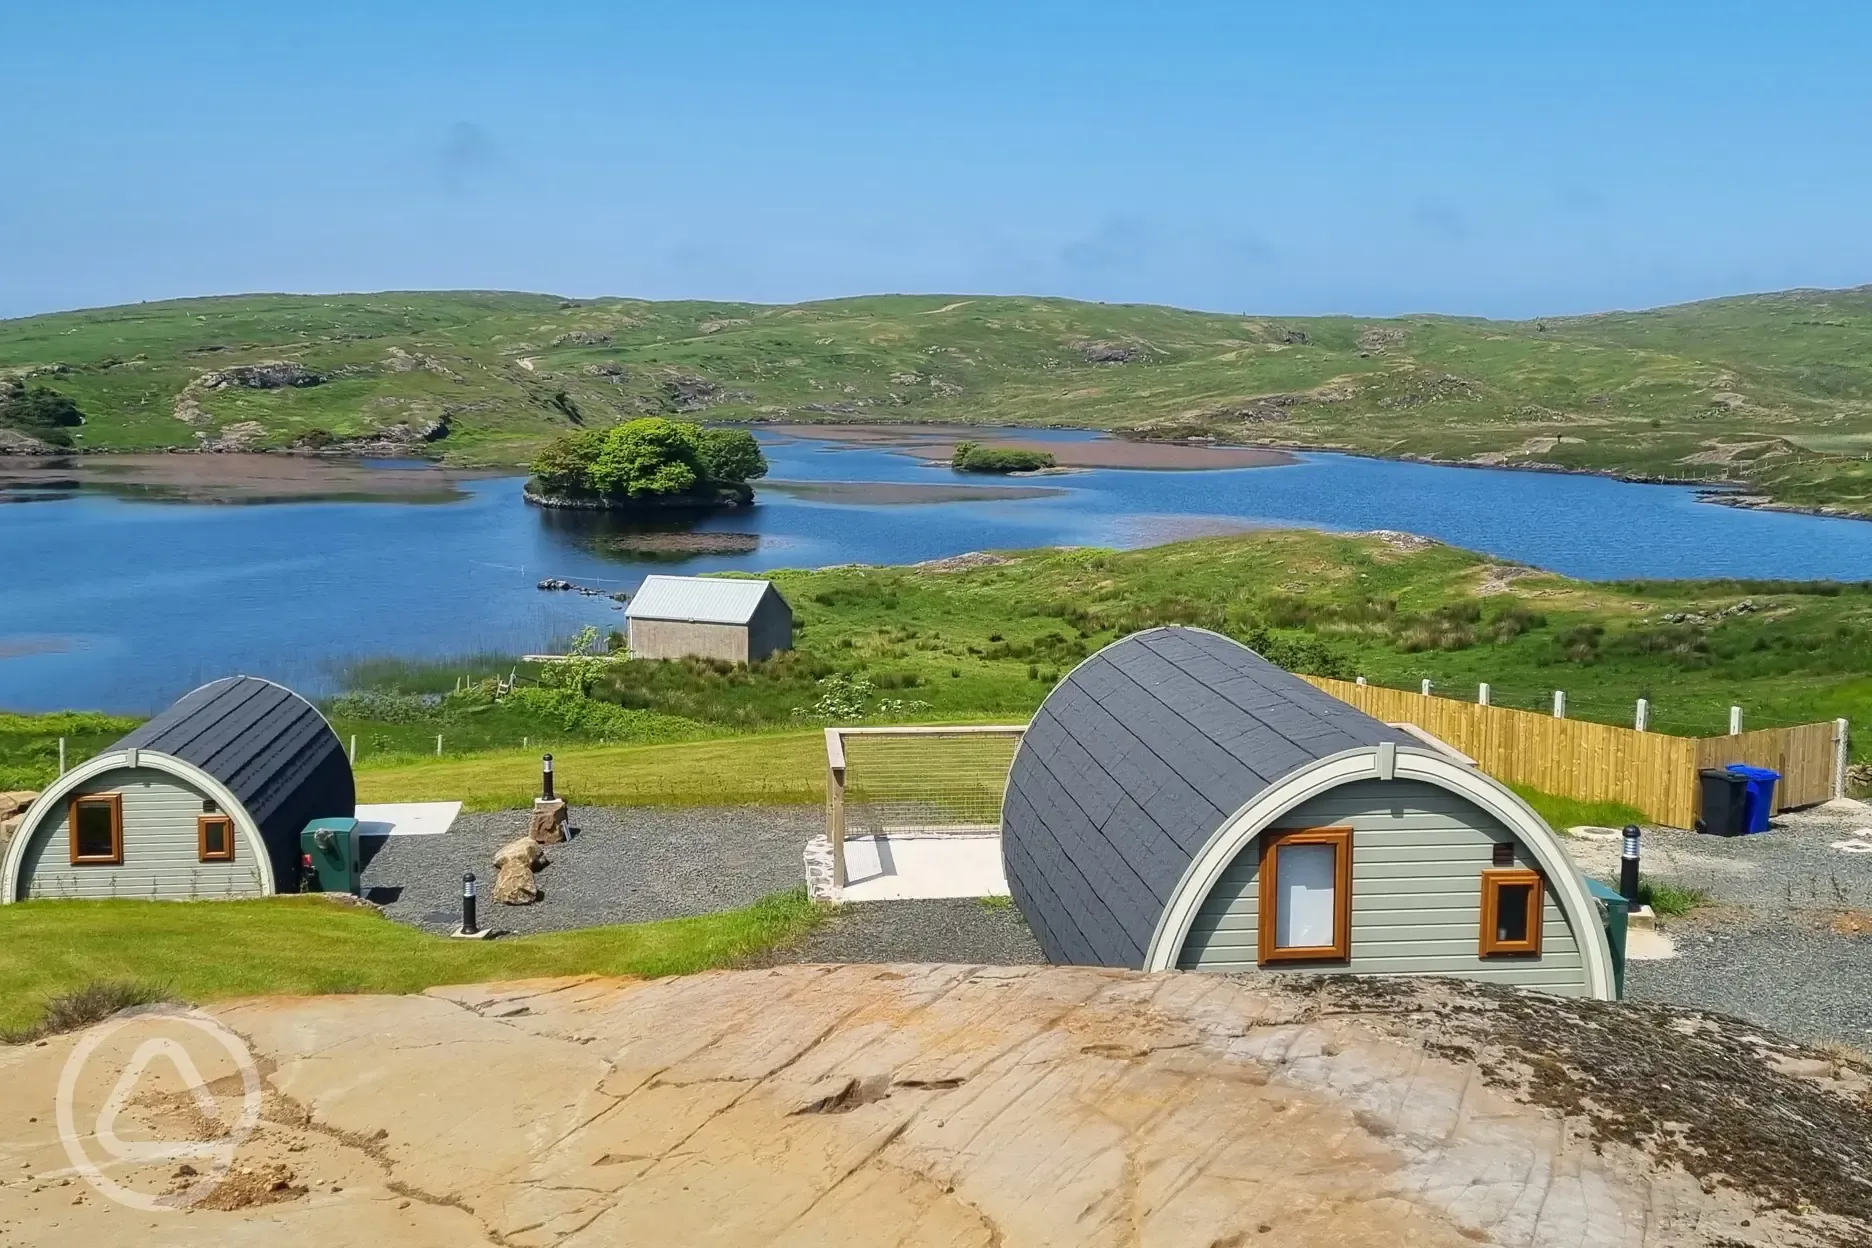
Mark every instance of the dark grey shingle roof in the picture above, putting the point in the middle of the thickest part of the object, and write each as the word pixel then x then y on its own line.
pixel 270 747
pixel 1130 766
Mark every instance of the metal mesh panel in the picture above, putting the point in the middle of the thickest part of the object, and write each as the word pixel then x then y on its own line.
pixel 926 782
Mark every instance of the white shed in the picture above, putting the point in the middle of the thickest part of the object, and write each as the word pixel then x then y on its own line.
pixel 734 619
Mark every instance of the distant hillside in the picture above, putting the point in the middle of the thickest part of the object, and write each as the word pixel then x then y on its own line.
pixel 1772 391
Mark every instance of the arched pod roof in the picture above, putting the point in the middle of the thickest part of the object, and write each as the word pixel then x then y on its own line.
pixel 1132 764
pixel 270 747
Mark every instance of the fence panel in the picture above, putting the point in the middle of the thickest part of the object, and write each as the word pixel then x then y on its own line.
pixel 1804 755
pixel 1591 762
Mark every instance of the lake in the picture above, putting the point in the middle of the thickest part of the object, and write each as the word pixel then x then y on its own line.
pixel 110 599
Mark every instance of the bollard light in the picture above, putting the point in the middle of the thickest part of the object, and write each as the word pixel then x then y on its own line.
pixel 1628 866
pixel 468 905
pixel 546 783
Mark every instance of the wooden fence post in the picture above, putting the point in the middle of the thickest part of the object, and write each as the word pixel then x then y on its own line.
pixel 353 755
pixel 438 745
pixel 61 756
pixel 1642 720
pixel 1735 721
pixel 1359 681
pixel 1482 694
pixel 1841 730
pixel 1559 704
pixel 1426 687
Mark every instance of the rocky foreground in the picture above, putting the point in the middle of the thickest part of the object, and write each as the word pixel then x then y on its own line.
pixel 871 1105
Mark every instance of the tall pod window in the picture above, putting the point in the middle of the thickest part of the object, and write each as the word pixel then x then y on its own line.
pixel 214 835
pixel 1306 895
pixel 96 823
pixel 1511 912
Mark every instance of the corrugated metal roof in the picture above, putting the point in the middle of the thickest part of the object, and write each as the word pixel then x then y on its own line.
pixel 1133 762
pixel 269 746
pixel 697 599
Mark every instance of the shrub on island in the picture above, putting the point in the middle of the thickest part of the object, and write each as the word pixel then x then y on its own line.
pixel 974 457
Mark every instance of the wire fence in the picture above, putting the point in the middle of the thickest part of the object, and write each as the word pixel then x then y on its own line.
pixel 931 782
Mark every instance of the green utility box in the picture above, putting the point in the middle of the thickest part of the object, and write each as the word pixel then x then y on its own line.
pixel 1617 911
pixel 329 861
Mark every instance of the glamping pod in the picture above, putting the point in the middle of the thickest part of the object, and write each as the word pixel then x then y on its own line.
pixel 205 800
pixel 1181 803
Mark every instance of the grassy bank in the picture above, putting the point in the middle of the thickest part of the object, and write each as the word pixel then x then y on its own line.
pixel 310 945
pixel 1768 390
pixel 986 639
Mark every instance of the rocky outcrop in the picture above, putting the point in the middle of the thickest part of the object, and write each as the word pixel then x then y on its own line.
pixel 582 338
pixel 1111 352
pixel 974 1106
pixel 724 496
pixel 272 375
pixel 690 394
pixel 13 442
pixel 612 372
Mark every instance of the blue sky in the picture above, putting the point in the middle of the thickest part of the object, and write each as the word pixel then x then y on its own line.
pixel 1496 158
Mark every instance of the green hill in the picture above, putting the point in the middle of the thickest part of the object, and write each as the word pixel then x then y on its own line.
pixel 1772 391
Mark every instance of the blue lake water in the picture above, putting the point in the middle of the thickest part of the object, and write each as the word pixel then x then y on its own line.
pixel 114 603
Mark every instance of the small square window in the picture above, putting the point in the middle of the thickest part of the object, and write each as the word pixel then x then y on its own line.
pixel 96 826
pixel 1306 895
pixel 215 838
pixel 1511 912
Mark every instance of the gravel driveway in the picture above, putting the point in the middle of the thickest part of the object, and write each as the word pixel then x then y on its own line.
pixel 1787 940
pixel 624 866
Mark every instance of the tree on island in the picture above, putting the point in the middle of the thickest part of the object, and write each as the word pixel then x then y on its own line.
pixel 650 460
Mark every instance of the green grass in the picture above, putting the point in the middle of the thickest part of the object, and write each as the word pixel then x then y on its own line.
pixel 206 951
pixel 899 645
pixel 1565 812
pixel 1671 901
pixel 1770 391
pixel 773 770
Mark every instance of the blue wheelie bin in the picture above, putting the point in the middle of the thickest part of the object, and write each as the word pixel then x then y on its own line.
pixel 1759 802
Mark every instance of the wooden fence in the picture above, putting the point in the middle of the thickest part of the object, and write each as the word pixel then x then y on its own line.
pixel 1655 773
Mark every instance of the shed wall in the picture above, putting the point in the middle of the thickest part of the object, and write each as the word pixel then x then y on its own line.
pixel 771 629
pixel 676 639
pixel 160 849
pixel 1418 853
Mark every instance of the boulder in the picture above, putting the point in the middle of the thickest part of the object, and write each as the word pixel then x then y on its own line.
pixel 514 885
pixel 13 801
pixel 548 823
pixel 521 849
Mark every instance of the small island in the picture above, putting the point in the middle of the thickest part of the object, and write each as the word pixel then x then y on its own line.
pixel 974 457
pixel 652 464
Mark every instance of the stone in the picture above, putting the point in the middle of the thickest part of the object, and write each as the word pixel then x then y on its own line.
pixel 14 801
pixel 513 884
pixel 972 1106
pixel 521 849
pixel 548 823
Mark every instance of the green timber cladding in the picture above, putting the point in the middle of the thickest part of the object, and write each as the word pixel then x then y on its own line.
pixel 1160 775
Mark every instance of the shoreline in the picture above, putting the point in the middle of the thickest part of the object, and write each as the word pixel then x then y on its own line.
pixel 263 476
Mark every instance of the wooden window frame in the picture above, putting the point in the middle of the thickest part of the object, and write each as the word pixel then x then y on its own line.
pixel 115 802
pixel 1341 948
pixel 1493 881
pixel 201 838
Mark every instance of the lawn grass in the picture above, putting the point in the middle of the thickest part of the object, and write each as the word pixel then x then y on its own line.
pixel 1768 390
pixel 779 769
pixel 212 950
pixel 1562 813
